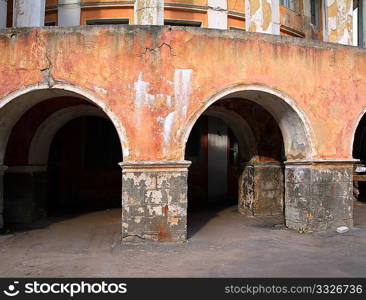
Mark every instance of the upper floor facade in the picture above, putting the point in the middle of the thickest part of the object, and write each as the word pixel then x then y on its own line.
pixel 337 21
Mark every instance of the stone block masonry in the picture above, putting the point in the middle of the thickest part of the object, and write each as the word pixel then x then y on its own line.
pixel 318 196
pixel 154 201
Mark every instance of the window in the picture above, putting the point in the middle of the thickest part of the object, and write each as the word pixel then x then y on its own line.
pixel 236 28
pixel 182 23
pixel 107 21
pixel 315 9
pixel 291 4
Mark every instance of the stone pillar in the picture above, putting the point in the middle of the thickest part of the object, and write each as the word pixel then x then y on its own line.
pixel 318 195
pixel 149 12
pixel 26 193
pixel 217 14
pixel 339 21
pixel 28 13
pixel 261 189
pixel 154 200
pixel 3 13
pixel 68 13
pixel 262 16
pixel 2 171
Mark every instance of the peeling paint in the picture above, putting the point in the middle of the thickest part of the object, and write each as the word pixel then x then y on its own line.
pixel 182 90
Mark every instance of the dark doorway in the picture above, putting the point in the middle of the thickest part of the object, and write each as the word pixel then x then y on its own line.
pixel 83 167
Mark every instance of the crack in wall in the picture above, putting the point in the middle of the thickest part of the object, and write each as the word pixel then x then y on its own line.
pixel 47 70
pixel 147 49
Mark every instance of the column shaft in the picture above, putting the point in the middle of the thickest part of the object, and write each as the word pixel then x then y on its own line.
pixel 68 13
pixel 3 13
pixel 28 13
pixel 217 14
pixel 149 12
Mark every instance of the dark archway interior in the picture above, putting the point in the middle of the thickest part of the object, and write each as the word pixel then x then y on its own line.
pixel 82 172
pixel 83 167
pixel 210 134
pixel 359 152
pixel 217 163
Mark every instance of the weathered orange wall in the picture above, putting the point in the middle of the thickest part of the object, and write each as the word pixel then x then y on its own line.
pixel 326 81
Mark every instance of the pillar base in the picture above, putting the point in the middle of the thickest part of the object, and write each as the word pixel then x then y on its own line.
pixel 154 201
pixel 318 195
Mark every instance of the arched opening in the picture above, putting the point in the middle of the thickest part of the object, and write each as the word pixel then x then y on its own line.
pixel 238 145
pixel 61 152
pixel 359 177
pixel 83 167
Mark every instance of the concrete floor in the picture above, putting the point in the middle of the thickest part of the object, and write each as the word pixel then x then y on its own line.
pixel 222 244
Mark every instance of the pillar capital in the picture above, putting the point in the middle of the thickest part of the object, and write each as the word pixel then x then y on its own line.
pixel 325 161
pixel 155 166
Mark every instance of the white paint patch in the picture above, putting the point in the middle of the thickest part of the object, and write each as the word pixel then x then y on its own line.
pixel 138 219
pixel 345 39
pixel 155 210
pixel 155 195
pixel 100 90
pixel 168 100
pixel 332 23
pixel 182 89
pixel 142 95
pixel 168 126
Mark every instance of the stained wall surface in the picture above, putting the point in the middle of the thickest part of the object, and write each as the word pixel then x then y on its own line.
pixel 158 79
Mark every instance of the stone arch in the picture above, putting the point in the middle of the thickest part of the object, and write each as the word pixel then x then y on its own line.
pixel 13 105
pixel 41 142
pixel 357 134
pixel 295 128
